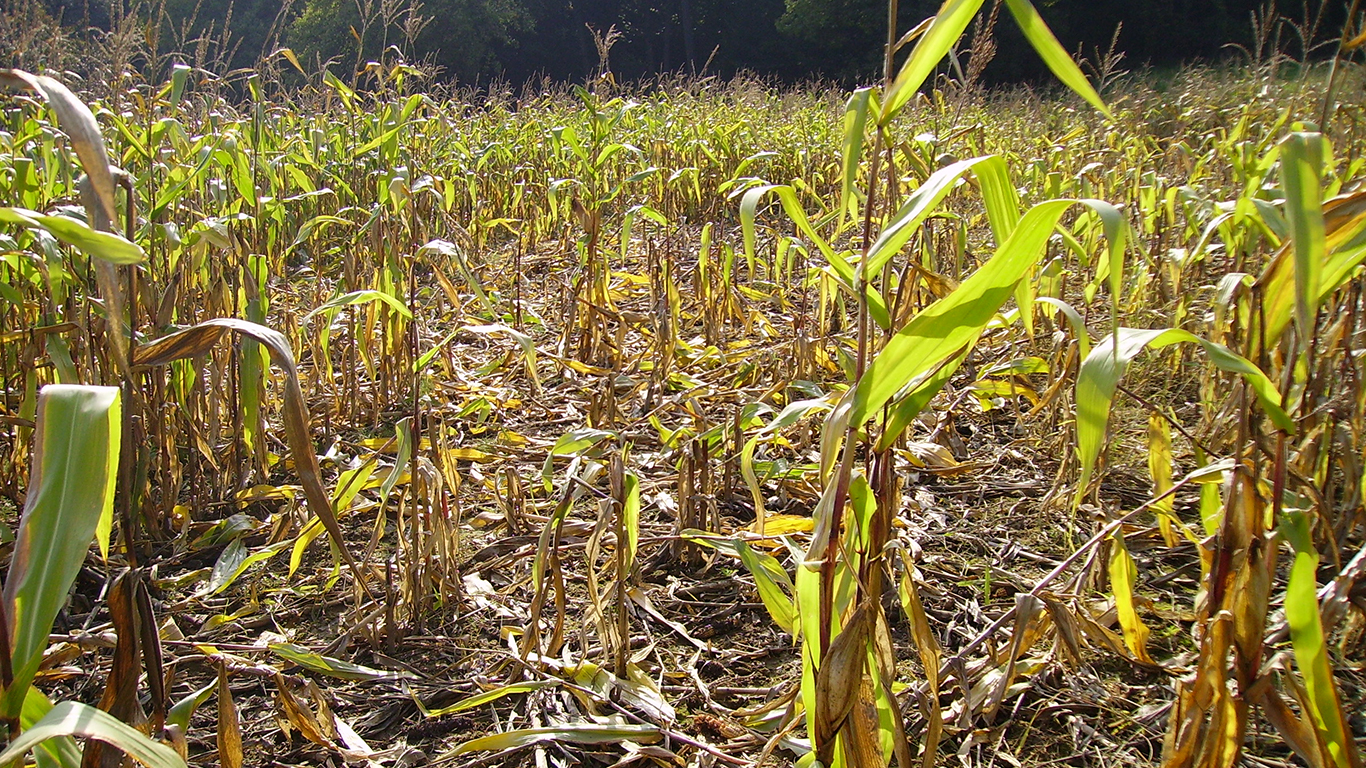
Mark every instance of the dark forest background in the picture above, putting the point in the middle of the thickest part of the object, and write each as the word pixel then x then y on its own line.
pixel 478 41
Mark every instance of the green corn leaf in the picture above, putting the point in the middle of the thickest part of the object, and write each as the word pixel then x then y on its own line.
pixel 179 75
pixel 807 582
pixel 487 697
pixel 60 354
pixel 577 733
pixel 427 357
pixel 70 718
pixel 56 752
pixel 916 398
pixel 855 121
pixel 184 709
pixel 1074 320
pixel 630 519
pixel 922 204
pixel 768 574
pixel 311 531
pixel 316 224
pixel 572 443
pixel 350 483
pixel 749 206
pixel 956 320
pixel 839 264
pixel 1306 635
pixel 228 565
pixel 1211 503
pixel 948 26
pixel 358 297
pixel 999 196
pixel 1104 367
pixel 528 345
pixel 235 561
pixel 1301 158
pixel 575 441
pixel 326 665
pixel 70 503
pixel 795 412
pixel 847 277
pixel 102 245
pixel 1115 231
pixel 375 143
pixel 403 433
pixel 1052 53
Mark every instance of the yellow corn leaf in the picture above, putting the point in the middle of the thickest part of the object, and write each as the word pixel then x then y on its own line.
pixel 1123 575
pixel 1160 470
pixel 782 525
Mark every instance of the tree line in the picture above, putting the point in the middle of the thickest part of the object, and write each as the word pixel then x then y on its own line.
pixel 479 41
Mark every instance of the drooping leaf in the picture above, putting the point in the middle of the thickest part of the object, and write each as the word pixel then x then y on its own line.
pixel 56 752
pixel 768 574
pixel 198 340
pixel 358 297
pixel 71 718
pixel 948 26
pixel 1102 369
pixel 1053 54
pixel 102 245
pixel 925 201
pixel 235 560
pixel 76 119
pixel 948 325
pixel 1123 578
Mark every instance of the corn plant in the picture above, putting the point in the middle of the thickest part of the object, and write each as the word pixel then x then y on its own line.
pixel 848 670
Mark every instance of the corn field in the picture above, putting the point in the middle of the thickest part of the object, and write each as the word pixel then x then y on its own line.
pixel 695 423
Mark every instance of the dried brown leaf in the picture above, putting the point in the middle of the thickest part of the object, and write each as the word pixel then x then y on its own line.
pixel 298 714
pixel 120 697
pixel 1299 735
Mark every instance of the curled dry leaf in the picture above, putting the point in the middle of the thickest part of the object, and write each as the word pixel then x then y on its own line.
pixel 197 341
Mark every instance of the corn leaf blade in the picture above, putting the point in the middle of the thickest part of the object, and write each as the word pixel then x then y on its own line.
pixel 948 25
pixel 1102 369
pixel 75 461
pixel 1301 158
pixel 1046 45
pixel 70 718
pixel 578 733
